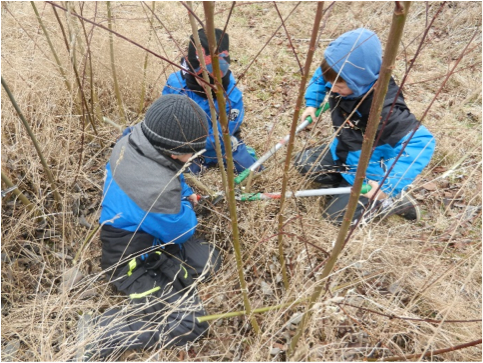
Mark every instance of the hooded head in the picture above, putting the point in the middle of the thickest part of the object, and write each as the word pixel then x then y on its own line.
pixel 223 44
pixel 357 57
pixel 192 61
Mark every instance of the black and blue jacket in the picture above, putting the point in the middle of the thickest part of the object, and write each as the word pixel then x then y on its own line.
pixel 176 84
pixel 144 201
pixel 356 56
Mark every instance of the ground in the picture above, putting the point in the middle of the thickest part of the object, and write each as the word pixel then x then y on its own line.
pixel 399 288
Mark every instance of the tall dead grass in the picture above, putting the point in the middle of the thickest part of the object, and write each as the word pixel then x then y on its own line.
pixel 393 275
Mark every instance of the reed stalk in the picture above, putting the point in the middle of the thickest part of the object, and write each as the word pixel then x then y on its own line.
pixel 210 32
pixel 60 67
pixel 117 92
pixel 145 66
pixel 48 173
pixel 390 53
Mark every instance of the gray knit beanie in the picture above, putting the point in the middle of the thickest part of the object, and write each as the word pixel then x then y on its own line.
pixel 175 124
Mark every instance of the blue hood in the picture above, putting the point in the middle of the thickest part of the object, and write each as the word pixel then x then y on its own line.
pixel 359 54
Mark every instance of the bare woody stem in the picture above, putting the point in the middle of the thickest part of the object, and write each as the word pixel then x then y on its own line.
pixel 390 53
pixel 210 32
pixel 145 66
pixel 47 171
pixel 113 68
pixel 303 83
pixel 254 311
pixel 209 95
pixel 84 106
pixel 54 53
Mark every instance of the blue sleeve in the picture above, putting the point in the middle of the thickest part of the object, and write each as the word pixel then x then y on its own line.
pixel 174 84
pixel 315 93
pixel 177 228
pixel 235 112
pixel 414 159
pixel 186 191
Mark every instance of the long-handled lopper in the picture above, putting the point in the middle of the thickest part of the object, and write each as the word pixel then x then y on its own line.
pixel 301 193
pixel 244 174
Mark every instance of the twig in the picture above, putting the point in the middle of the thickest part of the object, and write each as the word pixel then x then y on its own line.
pixel 392 316
pixel 209 96
pixel 431 353
pixel 289 39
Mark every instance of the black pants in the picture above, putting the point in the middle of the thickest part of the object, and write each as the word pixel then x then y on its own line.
pixel 321 168
pixel 162 312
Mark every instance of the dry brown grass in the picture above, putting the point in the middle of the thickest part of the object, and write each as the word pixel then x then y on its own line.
pixel 392 268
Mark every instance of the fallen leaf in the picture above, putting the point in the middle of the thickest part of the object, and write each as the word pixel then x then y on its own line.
pixel 266 289
pixel 275 351
pixel 87 294
pixel 279 346
pixel 62 256
pixel 430 186
pixel 10 351
pixel 71 277
pixel 439 169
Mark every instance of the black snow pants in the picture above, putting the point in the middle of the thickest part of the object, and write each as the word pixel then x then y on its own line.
pixel 321 168
pixel 164 301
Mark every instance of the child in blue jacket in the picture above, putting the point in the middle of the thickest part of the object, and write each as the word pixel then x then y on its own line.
pixel 347 74
pixel 184 83
pixel 149 248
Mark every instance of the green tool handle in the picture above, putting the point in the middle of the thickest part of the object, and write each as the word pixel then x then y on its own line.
pixel 365 188
pixel 324 108
pixel 245 197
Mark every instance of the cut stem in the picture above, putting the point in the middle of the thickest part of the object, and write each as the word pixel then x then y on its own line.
pixel 17 192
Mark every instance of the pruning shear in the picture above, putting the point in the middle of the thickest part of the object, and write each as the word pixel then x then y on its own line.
pixel 213 199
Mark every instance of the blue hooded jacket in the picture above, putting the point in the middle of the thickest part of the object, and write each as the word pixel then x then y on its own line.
pixel 356 56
